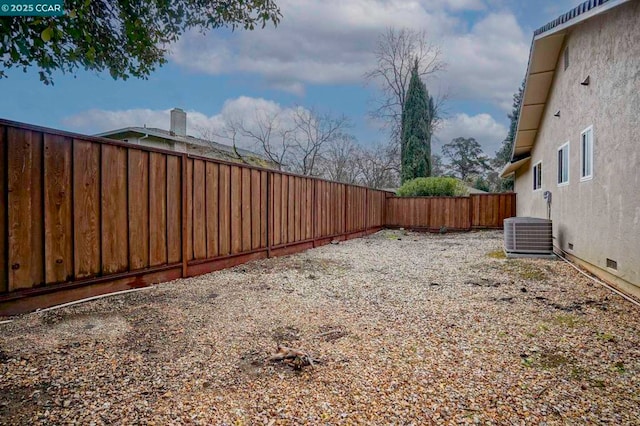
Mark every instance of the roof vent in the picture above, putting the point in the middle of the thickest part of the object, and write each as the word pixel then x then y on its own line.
pixel 528 235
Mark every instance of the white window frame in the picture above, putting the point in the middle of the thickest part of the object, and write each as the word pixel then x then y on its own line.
pixel 537 167
pixel 565 158
pixel 589 154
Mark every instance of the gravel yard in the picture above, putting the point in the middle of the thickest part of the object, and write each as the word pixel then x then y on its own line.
pixel 410 329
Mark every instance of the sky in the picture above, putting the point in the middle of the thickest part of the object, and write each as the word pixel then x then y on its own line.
pixel 315 58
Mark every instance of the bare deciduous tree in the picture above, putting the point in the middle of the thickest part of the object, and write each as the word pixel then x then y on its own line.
pixel 340 159
pixel 378 166
pixel 313 132
pixel 396 54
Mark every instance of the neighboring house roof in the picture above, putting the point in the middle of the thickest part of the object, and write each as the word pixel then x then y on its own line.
pixel 546 47
pixel 226 150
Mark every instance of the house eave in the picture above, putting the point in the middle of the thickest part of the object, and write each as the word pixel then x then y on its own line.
pixel 546 47
pixel 511 167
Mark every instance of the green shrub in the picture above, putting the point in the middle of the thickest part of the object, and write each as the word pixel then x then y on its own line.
pixel 432 187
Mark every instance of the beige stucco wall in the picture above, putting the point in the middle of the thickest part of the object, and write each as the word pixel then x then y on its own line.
pixel 601 216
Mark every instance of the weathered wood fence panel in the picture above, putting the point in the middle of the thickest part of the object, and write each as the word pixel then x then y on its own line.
pixel 478 211
pixel 81 215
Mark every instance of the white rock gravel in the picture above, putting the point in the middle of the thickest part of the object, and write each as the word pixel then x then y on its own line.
pixel 412 328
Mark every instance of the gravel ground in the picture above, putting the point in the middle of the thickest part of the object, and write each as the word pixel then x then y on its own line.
pixel 411 329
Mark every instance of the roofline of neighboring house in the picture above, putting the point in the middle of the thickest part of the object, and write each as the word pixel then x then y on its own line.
pixel 163 134
pixel 546 47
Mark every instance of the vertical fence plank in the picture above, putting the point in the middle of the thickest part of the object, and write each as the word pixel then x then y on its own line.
pixel 308 209
pixel 262 217
pixel 86 200
pixel 224 211
pixel 189 224
pixel 4 268
pixel 246 209
pixel 25 209
pixel 284 213
pixel 174 209
pixel 138 187
pixel 212 208
pixel 57 203
pixel 256 209
pixel 276 218
pixel 236 209
pixel 157 209
pixel 115 238
pixel 199 211
pixel 291 237
pixel 296 209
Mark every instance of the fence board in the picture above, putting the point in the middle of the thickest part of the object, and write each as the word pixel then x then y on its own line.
pixel 246 209
pixel 157 209
pixel 291 209
pixel 212 208
pixel 284 209
pixel 236 209
pixel 224 211
pixel 115 235
pixel 263 209
pixel 255 209
pixel 138 187
pixel 25 215
pixel 276 202
pixel 199 211
pixel 58 233
pixel 86 199
pixel 174 209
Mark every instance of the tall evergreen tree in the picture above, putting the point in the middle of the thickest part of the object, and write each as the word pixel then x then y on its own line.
pixel 504 153
pixel 417 118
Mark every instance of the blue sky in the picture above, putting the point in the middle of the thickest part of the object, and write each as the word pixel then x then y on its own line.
pixel 316 59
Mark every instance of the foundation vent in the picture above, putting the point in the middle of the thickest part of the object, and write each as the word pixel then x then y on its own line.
pixel 612 264
pixel 528 235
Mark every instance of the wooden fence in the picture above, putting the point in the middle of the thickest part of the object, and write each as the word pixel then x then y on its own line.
pixel 477 211
pixel 82 216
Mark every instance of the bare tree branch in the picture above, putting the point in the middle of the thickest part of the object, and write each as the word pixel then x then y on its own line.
pixel 396 53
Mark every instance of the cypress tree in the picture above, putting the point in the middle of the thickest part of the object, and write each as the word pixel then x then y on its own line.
pixel 417 116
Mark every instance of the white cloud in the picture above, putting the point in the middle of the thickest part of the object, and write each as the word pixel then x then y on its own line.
pixel 331 42
pixel 489 62
pixel 482 127
pixel 243 108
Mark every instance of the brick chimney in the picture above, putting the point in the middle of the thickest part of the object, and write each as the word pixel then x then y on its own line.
pixel 178 122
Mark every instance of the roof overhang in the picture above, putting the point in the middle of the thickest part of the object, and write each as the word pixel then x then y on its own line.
pixel 546 47
pixel 511 167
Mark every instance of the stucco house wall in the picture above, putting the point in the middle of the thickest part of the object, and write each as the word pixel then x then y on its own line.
pixel 599 217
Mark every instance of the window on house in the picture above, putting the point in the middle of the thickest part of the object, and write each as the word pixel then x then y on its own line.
pixel 586 153
pixel 566 57
pixel 563 164
pixel 537 176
